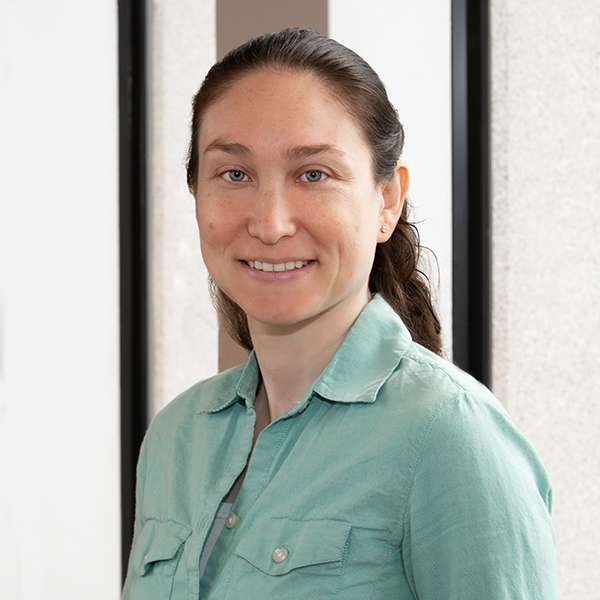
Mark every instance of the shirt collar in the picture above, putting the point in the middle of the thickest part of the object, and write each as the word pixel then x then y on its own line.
pixel 366 358
pixel 223 390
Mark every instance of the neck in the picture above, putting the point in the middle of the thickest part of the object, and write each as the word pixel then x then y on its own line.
pixel 291 358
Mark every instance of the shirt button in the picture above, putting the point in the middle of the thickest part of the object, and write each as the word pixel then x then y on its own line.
pixel 230 520
pixel 280 555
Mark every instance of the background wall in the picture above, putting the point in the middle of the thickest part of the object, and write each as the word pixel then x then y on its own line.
pixel 183 325
pixel 546 248
pixel 59 301
pixel 59 370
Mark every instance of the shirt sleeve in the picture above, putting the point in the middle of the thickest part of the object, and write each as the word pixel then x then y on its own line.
pixel 477 523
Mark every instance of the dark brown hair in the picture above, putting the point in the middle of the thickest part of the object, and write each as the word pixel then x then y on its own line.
pixel 395 273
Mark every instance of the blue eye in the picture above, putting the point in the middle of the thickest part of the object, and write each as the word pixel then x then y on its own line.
pixel 235 175
pixel 313 176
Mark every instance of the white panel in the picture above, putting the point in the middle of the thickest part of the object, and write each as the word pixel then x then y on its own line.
pixel 408 43
pixel 183 343
pixel 59 338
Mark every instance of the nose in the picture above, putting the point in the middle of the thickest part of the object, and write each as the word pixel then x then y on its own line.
pixel 270 218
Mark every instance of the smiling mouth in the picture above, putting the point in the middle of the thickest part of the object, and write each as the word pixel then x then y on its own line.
pixel 277 267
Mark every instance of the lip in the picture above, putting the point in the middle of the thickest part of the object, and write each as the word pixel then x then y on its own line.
pixel 278 275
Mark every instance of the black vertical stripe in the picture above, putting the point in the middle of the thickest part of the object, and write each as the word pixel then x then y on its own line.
pixel 133 251
pixel 471 262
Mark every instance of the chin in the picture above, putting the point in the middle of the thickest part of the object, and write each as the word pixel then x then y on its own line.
pixel 279 313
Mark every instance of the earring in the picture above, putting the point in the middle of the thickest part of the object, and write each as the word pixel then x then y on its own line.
pixel 384 229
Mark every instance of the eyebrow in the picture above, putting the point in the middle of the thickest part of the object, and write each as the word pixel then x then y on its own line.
pixel 306 151
pixel 229 148
pixel 293 153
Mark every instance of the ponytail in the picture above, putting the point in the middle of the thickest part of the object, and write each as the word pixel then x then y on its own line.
pixel 396 276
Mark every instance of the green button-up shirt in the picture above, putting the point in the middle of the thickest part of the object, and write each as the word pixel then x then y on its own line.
pixel 397 476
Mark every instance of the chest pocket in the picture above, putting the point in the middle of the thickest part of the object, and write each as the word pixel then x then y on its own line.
pixel 283 547
pixel 154 559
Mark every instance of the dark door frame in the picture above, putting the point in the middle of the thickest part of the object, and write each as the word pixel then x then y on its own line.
pixel 471 188
pixel 133 253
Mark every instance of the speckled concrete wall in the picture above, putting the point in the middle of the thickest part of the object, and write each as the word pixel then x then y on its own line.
pixel 183 339
pixel 546 248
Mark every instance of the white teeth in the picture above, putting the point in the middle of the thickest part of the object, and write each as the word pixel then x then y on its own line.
pixel 278 267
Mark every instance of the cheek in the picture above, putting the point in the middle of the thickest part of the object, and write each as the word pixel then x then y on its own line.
pixel 358 223
pixel 218 219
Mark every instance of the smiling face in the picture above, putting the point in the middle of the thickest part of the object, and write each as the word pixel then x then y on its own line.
pixel 287 206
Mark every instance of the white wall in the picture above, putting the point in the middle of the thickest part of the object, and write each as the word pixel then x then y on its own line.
pixel 183 324
pixel 408 43
pixel 546 249
pixel 59 322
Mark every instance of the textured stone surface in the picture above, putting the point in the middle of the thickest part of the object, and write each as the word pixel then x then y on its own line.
pixel 183 340
pixel 546 244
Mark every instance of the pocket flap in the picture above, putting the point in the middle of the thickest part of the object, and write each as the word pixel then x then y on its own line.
pixel 300 544
pixel 158 540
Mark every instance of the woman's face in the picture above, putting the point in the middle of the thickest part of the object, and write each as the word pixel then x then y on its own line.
pixel 287 207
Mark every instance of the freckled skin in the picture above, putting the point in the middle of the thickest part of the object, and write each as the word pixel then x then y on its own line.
pixel 275 214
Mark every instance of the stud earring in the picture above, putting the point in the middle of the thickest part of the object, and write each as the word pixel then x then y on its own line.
pixel 384 229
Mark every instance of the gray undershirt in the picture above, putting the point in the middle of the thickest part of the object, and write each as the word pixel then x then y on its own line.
pixel 213 534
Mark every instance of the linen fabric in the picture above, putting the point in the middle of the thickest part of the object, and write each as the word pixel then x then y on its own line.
pixel 397 476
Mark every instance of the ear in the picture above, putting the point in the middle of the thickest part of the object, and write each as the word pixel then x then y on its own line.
pixel 393 194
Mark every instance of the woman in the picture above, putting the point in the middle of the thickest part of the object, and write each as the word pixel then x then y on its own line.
pixel 346 459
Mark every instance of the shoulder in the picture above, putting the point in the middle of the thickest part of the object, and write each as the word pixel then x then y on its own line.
pixel 458 424
pixel 433 386
pixel 442 375
pixel 467 439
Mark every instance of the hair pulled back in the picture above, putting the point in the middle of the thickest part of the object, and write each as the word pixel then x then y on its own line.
pixel 395 273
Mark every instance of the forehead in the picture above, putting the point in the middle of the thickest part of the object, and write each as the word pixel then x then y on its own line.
pixel 275 99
